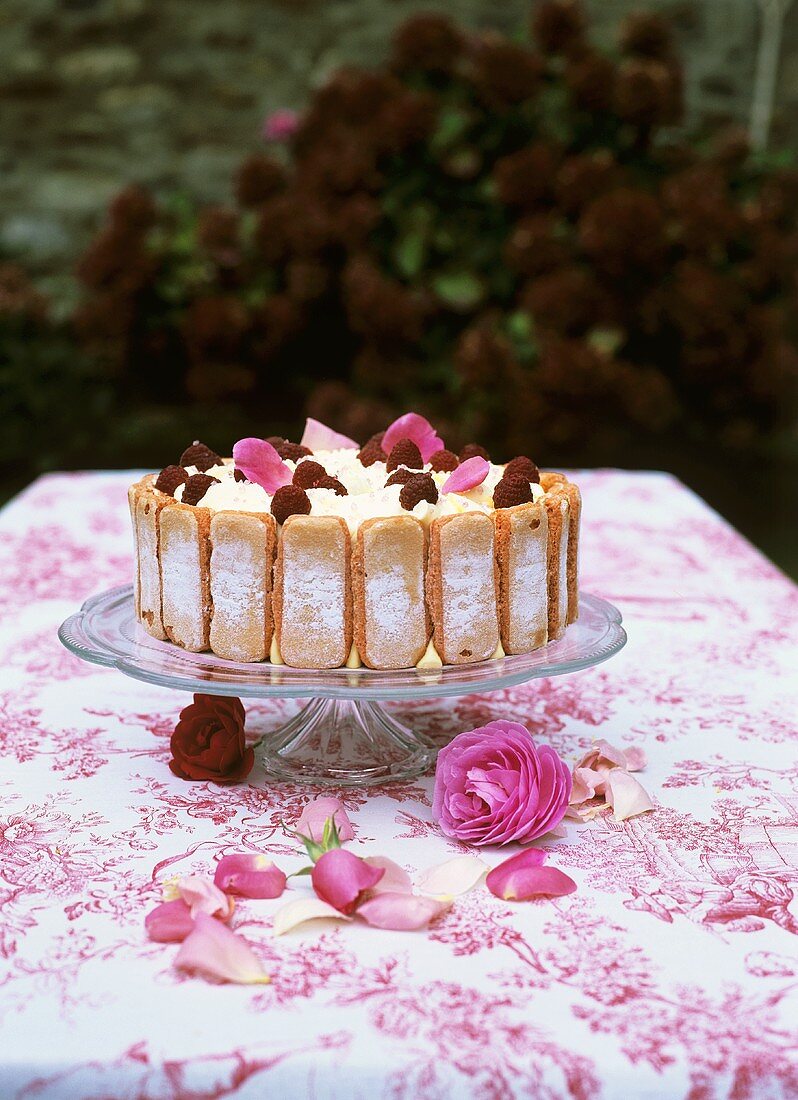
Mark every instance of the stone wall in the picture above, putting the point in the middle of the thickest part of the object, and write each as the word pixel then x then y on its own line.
pixel 171 93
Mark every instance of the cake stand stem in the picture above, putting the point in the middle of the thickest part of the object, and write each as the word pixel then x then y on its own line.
pixel 342 742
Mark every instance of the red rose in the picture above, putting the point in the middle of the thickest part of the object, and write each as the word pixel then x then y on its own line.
pixel 208 742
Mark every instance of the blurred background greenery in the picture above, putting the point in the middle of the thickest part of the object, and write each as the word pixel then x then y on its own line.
pixel 564 231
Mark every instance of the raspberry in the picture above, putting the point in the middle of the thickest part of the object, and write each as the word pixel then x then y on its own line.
pixel 405 453
pixel 444 461
pixel 400 477
pixel 276 441
pixel 239 475
pixel 471 450
pixel 332 483
pixel 510 491
pixel 521 466
pixel 370 453
pixel 419 487
pixel 376 439
pixel 200 456
pixel 170 478
pixel 197 486
pixel 290 500
pixel 293 451
pixel 308 474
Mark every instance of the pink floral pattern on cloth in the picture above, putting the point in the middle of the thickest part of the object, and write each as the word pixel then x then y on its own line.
pixel 671 971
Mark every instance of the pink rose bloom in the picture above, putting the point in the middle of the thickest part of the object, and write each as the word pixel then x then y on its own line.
pixel 280 125
pixel 493 785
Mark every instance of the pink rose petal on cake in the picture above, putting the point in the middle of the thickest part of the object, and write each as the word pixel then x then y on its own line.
pixel 297 912
pixel 395 880
pixel 317 812
pixel 169 922
pixel 340 878
pixel 319 437
pixel 416 428
pixel 249 875
pixel 453 877
pixel 203 896
pixel 215 952
pixel 523 876
pixel 260 463
pixel 626 795
pixel 401 912
pixel 468 475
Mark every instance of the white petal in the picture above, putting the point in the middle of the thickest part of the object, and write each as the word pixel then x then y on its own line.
pixel 453 877
pixel 301 910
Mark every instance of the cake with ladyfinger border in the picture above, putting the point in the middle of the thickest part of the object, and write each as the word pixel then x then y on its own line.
pixel 397 553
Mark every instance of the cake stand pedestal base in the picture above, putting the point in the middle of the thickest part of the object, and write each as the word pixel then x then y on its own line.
pixel 345 742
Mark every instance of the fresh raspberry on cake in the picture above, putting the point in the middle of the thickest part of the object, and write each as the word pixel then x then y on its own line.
pixel 197 486
pixel 405 453
pixel 308 474
pixel 370 453
pixel 332 483
pixel 419 487
pixel 169 479
pixel 473 450
pixel 521 466
pixel 444 461
pixel 200 456
pixel 293 451
pixel 400 477
pixel 239 475
pixel 290 500
pixel 512 490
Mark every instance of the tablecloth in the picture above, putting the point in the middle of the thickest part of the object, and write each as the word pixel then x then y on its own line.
pixel 672 971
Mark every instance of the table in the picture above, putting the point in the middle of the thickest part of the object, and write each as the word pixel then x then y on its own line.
pixel 671 972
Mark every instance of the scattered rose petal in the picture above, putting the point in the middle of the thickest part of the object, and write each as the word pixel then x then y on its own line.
pixel 215 952
pixel 602 754
pixel 317 812
pixel 416 428
pixel 169 922
pixel 304 909
pixel 626 795
pixel 401 912
pixel 249 876
pixel 523 876
pixel 203 896
pixel 319 437
pixel 260 462
pixel 454 877
pixel 340 878
pixel 395 879
pixel 468 475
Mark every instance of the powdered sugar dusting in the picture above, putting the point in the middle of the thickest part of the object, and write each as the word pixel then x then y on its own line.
pixel 182 588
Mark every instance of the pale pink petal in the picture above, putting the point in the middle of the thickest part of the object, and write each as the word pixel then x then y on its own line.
pixel 395 880
pixel 203 896
pixel 304 909
pixel 523 876
pixel 586 811
pixel 340 878
pixel 249 875
pixel 313 817
pixel 602 754
pixel 626 795
pixel 215 952
pixel 401 912
pixel 635 759
pixel 261 464
pixel 453 877
pixel 588 782
pixel 319 437
pixel 169 922
pixel 467 476
pixel 416 428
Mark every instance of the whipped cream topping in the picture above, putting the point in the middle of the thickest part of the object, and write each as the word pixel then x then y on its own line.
pixel 368 498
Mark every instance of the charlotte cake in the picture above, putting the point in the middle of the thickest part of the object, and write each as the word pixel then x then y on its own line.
pixel 323 554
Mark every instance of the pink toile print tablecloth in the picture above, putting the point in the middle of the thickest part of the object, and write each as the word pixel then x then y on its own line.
pixel 673 971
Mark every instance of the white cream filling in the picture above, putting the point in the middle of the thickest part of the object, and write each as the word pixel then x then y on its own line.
pixel 368 497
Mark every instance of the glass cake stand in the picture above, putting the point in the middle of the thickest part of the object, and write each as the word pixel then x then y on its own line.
pixel 342 736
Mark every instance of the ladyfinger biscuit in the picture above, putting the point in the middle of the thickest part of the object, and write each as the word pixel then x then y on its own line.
pixel 149 505
pixel 462 587
pixel 558 516
pixel 132 497
pixel 550 480
pixel 391 625
pixel 242 556
pixel 313 592
pixel 184 545
pixel 521 551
